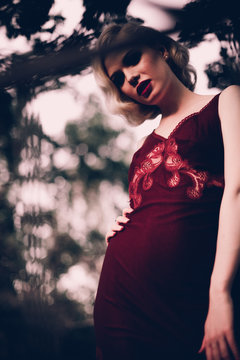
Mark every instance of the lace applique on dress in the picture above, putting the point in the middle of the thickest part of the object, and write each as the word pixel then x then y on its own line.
pixel 147 166
pixel 166 153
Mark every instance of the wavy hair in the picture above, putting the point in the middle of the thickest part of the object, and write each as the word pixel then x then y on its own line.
pixel 115 36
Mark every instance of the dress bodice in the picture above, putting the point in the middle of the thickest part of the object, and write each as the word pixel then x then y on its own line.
pixel 191 157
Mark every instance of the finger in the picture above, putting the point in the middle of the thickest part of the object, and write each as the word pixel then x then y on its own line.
pixel 216 355
pixel 225 354
pixel 202 346
pixel 122 219
pixel 127 211
pixel 208 351
pixel 117 227
pixel 109 235
pixel 232 344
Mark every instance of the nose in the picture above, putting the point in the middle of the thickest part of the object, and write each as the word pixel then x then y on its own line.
pixel 133 80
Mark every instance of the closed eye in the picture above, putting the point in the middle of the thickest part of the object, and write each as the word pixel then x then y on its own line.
pixel 118 78
pixel 132 57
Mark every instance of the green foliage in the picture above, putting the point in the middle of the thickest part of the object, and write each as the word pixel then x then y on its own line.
pixel 34 262
pixel 109 9
pixel 63 255
pixel 50 60
pixel 223 72
pixel 100 158
pixel 26 17
pixel 202 17
pixel 199 18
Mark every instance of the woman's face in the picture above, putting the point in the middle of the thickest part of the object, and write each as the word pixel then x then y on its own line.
pixel 141 74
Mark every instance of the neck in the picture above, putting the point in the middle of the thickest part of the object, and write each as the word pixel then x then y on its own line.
pixel 175 99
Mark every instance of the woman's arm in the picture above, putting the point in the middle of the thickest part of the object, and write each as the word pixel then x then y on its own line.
pixel 219 335
pixel 228 242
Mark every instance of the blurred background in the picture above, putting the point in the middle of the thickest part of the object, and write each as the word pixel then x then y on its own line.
pixel 64 159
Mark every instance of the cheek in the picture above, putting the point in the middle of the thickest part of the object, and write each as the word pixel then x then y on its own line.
pixel 125 90
pixel 152 70
pixel 128 90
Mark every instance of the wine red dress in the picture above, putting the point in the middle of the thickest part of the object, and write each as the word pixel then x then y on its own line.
pixel 152 298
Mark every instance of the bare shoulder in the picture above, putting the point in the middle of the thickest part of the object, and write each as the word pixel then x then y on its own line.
pixel 229 108
pixel 229 114
pixel 229 97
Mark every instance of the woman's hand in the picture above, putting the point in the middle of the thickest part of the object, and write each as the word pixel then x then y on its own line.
pixel 123 219
pixel 219 341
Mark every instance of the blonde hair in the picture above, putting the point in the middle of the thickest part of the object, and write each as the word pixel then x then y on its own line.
pixel 115 35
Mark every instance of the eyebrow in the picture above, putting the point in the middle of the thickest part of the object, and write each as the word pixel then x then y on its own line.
pixel 122 62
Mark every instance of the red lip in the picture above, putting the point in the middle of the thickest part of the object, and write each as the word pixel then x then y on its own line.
pixel 143 87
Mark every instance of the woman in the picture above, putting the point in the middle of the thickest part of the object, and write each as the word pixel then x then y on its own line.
pixel 166 289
